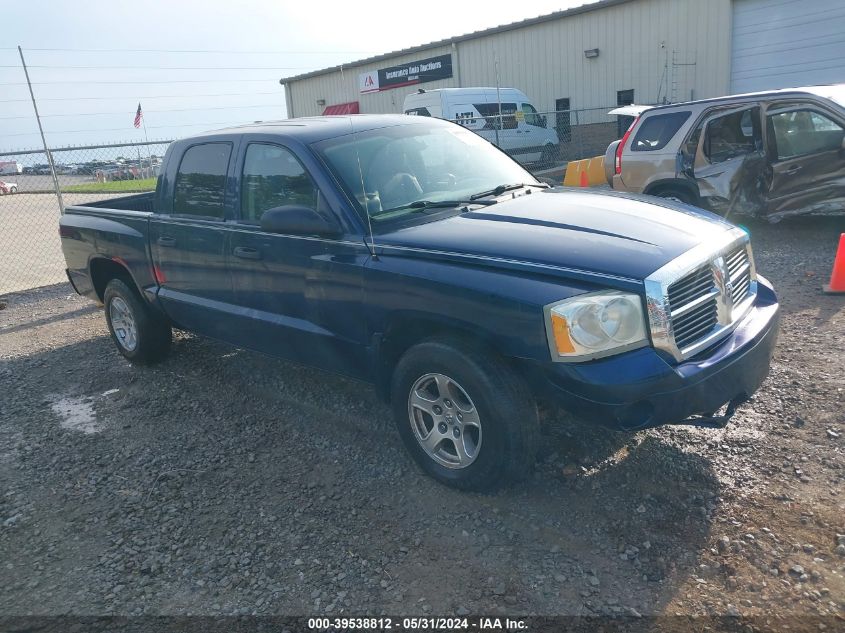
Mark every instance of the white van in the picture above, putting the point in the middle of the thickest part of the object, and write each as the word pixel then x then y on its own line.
pixel 520 131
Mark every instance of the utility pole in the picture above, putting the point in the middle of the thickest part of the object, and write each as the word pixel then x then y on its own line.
pixel 498 98
pixel 43 138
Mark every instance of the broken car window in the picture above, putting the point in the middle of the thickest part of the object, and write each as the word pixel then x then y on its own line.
pixel 735 134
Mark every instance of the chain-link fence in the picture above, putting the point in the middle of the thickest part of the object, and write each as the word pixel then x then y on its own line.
pixel 545 141
pixel 30 206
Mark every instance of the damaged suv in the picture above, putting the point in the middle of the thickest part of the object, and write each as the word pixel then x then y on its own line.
pixel 771 154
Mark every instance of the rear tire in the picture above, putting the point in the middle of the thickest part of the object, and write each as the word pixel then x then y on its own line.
pixel 675 194
pixel 141 335
pixel 467 419
pixel 13 190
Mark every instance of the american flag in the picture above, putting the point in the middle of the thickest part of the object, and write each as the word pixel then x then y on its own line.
pixel 138 116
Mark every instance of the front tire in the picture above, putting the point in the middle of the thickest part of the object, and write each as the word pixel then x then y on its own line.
pixel 141 335
pixel 467 419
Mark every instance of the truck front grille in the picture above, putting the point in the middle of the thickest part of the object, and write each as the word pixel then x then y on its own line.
pixel 698 299
pixel 692 302
pixel 739 269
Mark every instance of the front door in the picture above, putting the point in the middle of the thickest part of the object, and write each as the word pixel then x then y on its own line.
pixel 189 244
pixel 299 295
pixel 807 160
pixel 535 136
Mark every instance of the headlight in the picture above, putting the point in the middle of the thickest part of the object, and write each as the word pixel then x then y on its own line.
pixel 595 325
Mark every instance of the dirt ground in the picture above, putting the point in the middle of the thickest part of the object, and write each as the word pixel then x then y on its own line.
pixel 225 482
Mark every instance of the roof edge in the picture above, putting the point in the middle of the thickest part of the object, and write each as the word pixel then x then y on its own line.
pixel 548 17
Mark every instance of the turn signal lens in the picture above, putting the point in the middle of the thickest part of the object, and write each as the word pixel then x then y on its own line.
pixel 561 335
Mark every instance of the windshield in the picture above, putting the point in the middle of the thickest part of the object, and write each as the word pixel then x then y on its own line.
pixel 388 169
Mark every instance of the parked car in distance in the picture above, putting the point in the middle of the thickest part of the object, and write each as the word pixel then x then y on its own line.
pixel 8 187
pixel 410 253
pixel 772 154
pixel 515 127
pixel 10 167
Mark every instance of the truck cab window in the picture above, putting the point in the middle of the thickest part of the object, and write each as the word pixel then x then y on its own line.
pixel 201 181
pixel 273 177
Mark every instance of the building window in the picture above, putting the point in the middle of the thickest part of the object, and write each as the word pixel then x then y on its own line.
pixel 563 119
pixel 623 98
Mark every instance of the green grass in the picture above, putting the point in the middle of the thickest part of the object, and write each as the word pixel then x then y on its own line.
pixel 115 186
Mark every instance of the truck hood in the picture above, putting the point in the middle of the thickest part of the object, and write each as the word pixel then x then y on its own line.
pixel 587 233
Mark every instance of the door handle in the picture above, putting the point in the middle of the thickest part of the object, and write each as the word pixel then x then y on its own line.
pixel 247 253
pixel 792 170
pixel 166 241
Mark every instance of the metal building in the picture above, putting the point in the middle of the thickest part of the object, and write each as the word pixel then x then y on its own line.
pixel 607 53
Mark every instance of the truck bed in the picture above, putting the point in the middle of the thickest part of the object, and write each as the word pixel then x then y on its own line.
pixel 135 202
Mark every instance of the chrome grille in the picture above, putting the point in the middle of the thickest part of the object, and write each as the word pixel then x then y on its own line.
pixel 739 270
pixel 697 299
pixel 692 303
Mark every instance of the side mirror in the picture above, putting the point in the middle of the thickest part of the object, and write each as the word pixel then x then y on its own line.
pixel 298 220
pixel 543 120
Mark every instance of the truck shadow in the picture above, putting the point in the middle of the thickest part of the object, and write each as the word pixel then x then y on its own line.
pixel 608 522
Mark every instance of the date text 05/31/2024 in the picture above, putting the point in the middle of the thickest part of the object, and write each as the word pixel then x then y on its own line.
pixel 417 624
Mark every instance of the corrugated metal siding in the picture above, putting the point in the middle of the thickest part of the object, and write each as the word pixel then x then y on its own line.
pixel 546 60
pixel 787 43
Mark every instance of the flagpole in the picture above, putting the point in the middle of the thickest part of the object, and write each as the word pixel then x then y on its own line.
pixel 147 139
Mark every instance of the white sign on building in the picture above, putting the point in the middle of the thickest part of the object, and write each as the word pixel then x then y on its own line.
pixel 368 82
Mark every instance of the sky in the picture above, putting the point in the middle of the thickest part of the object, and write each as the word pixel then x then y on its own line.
pixel 197 64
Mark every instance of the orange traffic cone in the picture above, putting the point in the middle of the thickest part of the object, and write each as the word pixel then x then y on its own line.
pixel 837 277
pixel 585 182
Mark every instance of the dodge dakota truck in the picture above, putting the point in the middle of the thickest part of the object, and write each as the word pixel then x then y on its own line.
pixel 410 253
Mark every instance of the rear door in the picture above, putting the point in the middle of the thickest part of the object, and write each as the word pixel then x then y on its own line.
pixel 188 241
pixel 807 159
pixel 730 160
pixel 299 296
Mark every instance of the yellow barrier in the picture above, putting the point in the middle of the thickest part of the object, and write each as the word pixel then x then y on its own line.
pixel 588 172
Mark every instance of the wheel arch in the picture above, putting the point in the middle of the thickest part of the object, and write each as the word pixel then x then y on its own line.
pixel 403 331
pixel 681 184
pixel 103 269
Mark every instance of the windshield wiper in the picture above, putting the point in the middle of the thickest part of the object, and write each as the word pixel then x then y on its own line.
pixel 497 191
pixel 422 205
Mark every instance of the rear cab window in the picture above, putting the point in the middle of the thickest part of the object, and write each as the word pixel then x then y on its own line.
pixel 656 131
pixel 200 186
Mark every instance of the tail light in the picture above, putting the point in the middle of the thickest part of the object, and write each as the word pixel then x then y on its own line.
pixel 618 165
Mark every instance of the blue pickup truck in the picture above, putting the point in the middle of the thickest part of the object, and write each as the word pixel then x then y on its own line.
pixel 409 253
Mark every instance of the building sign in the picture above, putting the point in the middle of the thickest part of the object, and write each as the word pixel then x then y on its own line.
pixel 416 72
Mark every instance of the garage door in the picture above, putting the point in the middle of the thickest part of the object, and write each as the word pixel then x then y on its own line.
pixel 787 43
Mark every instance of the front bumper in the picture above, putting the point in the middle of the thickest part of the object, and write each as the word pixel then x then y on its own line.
pixel 642 388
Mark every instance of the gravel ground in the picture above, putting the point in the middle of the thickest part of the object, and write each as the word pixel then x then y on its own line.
pixel 224 482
